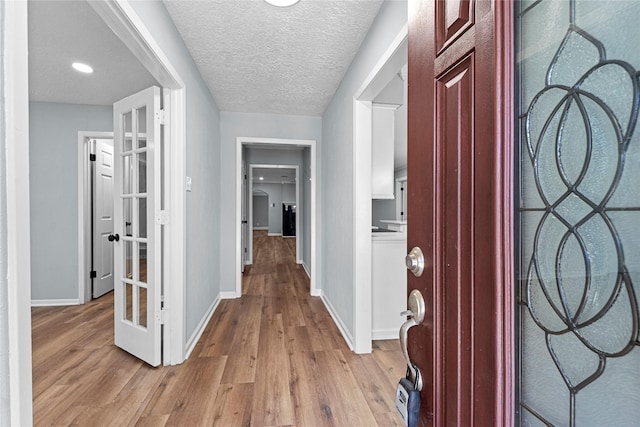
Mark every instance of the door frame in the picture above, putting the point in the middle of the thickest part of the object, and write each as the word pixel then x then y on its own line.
pixel 241 141
pixel 120 17
pixel 15 245
pixel 387 66
pixel 84 211
pixel 127 25
pixel 299 238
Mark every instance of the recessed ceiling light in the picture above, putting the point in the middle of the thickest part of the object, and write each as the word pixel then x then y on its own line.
pixel 83 68
pixel 261 178
pixel 282 3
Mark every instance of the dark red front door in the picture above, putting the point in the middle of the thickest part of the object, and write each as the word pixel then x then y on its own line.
pixel 459 207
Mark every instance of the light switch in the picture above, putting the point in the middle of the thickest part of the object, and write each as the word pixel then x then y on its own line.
pixel 188 183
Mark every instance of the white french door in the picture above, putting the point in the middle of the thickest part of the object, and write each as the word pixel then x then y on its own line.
pixel 137 235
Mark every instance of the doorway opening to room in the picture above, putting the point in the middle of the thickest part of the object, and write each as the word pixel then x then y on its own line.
pixel 380 225
pixel 95 214
pixel 288 171
pixel 144 131
pixel 274 206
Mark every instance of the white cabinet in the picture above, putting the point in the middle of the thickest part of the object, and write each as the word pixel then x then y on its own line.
pixel 382 151
pixel 400 226
pixel 389 284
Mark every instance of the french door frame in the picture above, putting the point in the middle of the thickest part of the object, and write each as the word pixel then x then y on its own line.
pixel 127 25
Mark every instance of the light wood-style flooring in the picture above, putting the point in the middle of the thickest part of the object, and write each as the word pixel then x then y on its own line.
pixel 271 358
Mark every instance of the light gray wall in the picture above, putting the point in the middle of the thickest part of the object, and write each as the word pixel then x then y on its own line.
pixel 266 156
pixel 234 125
pixel 203 166
pixel 261 210
pixel 53 163
pixel 337 163
pixel 289 193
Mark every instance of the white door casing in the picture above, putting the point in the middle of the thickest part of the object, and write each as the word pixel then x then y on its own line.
pixel 102 217
pixel 254 141
pixel 244 225
pixel 137 233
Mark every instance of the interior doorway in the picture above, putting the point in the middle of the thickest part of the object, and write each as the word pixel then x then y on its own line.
pixel 306 251
pixel 389 66
pixel 281 184
pixel 95 214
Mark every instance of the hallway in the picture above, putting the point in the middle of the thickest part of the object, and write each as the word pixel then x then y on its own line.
pixel 271 358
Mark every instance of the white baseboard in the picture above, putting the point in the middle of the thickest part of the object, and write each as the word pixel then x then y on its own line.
pixel 385 334
pixel 275 234
pixel 260 228
pixel 53 302
pixel 191 344
pixel 338 321
pixel 229 295
pixel 306 269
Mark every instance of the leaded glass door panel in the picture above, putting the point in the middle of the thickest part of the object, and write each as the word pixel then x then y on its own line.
pixel 578 265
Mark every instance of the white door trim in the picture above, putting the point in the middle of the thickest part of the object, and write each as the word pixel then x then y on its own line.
pixel 387 66
pixel 240 141
pixel 84 212
pixel 127 25
pixel 15 245
pixel 299 237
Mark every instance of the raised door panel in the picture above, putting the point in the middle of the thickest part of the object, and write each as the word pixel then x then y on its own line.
pixel 455 302
pixel 453 18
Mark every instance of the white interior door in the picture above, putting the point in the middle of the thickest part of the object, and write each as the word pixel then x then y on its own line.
pixel 137 234
pixel 103 217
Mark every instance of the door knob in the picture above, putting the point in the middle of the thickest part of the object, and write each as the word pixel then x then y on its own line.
pixel 113 237
pixel 415 261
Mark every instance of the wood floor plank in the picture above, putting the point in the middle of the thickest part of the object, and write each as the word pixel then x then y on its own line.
pixel 272 405
pixel 241 368
pixel 348 404
pixel 271 358
pixel 372 381
pixel 233 405
pixel 152 421
pixel 217 341
pixel 195 407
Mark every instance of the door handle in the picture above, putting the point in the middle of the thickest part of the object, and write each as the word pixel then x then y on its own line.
pixel 113 237
pixel 415 313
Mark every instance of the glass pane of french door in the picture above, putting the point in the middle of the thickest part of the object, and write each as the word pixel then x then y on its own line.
pixel 578 252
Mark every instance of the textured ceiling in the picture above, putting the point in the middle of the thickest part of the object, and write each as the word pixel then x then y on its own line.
pixel 259 58
pixel 63 32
